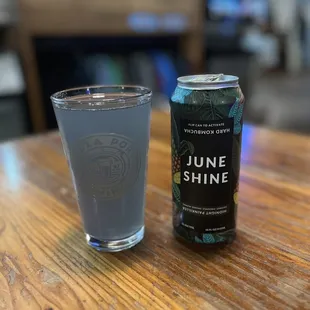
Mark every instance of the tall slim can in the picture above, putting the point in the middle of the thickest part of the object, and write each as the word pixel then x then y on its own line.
pixel 206 130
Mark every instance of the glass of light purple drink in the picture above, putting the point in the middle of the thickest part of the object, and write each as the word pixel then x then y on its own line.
pixel 105 134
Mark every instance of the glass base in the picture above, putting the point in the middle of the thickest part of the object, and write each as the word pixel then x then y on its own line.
pixel 116 245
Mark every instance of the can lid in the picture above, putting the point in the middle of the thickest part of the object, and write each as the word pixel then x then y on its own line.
pixel 208 81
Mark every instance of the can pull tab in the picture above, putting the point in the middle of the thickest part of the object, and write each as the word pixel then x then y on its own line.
pixel 215 77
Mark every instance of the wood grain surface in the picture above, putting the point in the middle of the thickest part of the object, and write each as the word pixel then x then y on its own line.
pixel 46 264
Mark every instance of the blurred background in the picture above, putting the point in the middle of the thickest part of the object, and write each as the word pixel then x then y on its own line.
pixel 50 45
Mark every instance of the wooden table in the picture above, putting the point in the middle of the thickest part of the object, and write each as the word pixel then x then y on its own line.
pixel 46 264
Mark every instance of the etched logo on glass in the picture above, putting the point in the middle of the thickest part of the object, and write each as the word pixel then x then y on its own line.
pixel 110 165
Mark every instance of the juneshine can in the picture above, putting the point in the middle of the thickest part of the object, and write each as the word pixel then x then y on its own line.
pixel 206 130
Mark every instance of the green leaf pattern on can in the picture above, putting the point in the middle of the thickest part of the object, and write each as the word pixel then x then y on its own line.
pixel 206 238
pixel 175 134
pixel 236 156
pixel 236 112
pixel 210 238
pixel 176 192
pixel 186 147
pixel 180 94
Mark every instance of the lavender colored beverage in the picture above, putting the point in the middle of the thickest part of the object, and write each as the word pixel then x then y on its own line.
pixel 105 134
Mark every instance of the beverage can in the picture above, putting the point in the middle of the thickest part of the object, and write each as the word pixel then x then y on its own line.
pixel 206 130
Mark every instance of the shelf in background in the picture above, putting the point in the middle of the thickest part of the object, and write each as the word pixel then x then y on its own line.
pixel 183 19
pixel 118 17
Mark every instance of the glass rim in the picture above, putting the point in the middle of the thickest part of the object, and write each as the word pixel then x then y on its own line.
pixel 60 97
